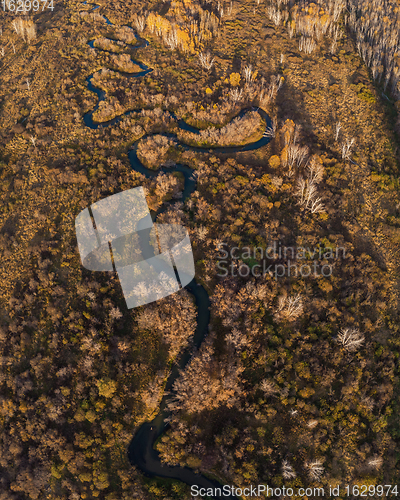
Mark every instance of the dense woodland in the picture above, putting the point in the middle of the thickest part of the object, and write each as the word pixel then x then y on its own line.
pixel 297 382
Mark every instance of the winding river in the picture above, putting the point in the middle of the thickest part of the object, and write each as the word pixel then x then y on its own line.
pixel 141 450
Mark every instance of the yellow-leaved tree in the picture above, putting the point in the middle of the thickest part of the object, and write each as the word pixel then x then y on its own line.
pixel 106 387
pixel 234 79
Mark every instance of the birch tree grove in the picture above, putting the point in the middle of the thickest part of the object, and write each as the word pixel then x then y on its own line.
pixel 309 20
pixel 140 22
pixel 186 31
pixel 375 25
pixel 271 131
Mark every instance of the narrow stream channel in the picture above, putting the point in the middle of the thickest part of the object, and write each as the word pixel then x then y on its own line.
pixel 141 450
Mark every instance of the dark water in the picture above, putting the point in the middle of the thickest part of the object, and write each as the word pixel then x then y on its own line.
pixel 141 450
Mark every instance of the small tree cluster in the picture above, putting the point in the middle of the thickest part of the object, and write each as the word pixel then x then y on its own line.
pixel 293 156
pixel 376 27
pixel 310 20
pixel 25 28
pixel 154 149
pixel 306 192
pixel 140 22
pixel 186 30
pixel 347 147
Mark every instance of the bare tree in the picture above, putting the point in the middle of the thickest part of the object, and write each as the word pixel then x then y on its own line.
pixel 268 388
pixel 315 469
pixel 33 140
pixel 335 36
pixel 18 27
pixel 220 9
pixel 338 128
pixel 301 190
pixel 287 470
pixel 350 338
pixel 271 131
pixel 277 83
pixel 291 29
pixel 248 74
pixel 306 191
pixel 140 23
pixel 235 94
pixel 202 232
pixel 347 147
pixel 289 308
pixel 30 30
pixel 25 28
pixel 316 206
pixel 375 462
pixel 296 156
pixel 206 60
pixel 268 94
pixel 315 171
pixel 307 44
pixel 171 39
